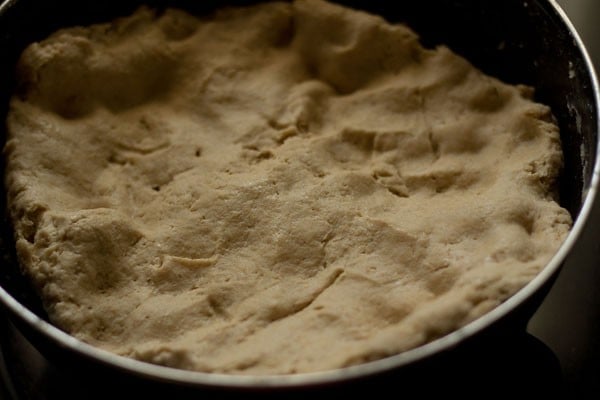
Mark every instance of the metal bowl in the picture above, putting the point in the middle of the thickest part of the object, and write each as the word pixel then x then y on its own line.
pixel 520 41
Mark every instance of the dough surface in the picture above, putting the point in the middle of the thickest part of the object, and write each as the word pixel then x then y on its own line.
pixel 282 188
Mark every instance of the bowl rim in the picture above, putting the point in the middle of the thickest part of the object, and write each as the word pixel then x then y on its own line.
pixel 205 379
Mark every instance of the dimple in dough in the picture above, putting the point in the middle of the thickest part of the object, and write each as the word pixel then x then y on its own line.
pixel 282 188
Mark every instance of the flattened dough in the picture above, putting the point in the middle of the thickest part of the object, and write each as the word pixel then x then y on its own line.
pixel 284 188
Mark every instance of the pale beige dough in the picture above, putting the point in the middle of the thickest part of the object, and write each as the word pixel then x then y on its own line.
pixel 284 188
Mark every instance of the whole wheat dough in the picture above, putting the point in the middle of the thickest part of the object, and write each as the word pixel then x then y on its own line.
pixel 283 188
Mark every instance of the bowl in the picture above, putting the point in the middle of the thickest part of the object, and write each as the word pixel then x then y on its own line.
pixel 521 42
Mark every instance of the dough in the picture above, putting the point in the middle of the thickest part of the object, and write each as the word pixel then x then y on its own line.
pixel 282 188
